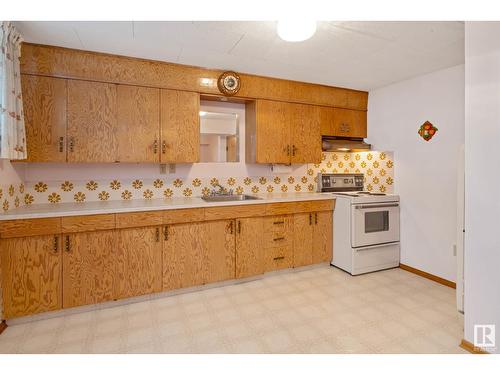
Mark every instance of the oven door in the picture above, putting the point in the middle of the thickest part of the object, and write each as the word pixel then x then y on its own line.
pixel 374 223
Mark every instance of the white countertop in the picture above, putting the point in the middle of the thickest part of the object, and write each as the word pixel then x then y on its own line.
pixel 37 211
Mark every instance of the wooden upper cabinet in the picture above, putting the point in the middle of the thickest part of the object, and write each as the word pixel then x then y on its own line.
pixel 92 125
pixel 44 100
pixel 138 124
pixel 267 132
pixel 249 247
pixel 180 126
pixel 349 123
pixel 139 261
pixel 89 272
pixel 31 275
pixel 306 135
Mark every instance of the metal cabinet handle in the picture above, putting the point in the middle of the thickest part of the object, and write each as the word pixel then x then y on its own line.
pixel 164 147
pixel 287 150
pixel 67 245
pixel 310 219
pixel 293 150
pixel 279 222
pixel 72 144
pixel 56 244
pixel 165 233
pixel 278 239
pixel 279 258
pixel 61 144
pixel 157 235
pixel 231 227
pixel 315 218
pixel 239 227
pixel 155 146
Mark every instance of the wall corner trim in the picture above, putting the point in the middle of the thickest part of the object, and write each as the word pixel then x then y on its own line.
pixel 429 276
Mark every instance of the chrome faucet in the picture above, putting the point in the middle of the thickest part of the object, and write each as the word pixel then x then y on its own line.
pixel 222 190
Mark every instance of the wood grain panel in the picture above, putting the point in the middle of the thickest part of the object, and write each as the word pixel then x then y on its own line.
pixel 139 219
pixel 302 239
pixel 350 123
pixel 44 104
pixel 86 65
pixel 73 224
pixel 184 215
pixel 281 223
pixel 92 123
pixel 327 121
pixel 249 247
pixel 89 268
pixel 233 212
pixel 31 275
pixel 298 207
pixel 30 227
pixel 182 256
pixel 138 261
pixel 323 237
pixel 306 133
pixel 180 126
pixel 218 238
pixel 138 124
pixel 272 132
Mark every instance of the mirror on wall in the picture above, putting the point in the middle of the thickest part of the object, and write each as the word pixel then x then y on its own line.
pixel 219 138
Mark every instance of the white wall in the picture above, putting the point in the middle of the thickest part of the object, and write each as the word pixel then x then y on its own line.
pixel 482 161
pixel 426 172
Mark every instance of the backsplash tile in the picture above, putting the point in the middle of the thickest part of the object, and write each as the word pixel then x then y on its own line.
pixel 378 168
pixel 11 196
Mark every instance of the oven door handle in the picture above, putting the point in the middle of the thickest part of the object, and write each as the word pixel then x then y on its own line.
pixel 364 207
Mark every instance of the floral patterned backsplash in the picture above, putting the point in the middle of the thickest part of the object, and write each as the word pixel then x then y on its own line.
pixel 378 168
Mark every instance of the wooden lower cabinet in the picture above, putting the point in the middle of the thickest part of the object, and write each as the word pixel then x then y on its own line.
pixel 322 237
pixel 219 250
pixel 138 261
pixel 31 275
pixel 182 256
pixel 249 247
pixel 89 274
pixel 302 239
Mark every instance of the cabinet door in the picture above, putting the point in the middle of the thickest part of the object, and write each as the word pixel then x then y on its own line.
pixel 44 101
pixel 138 124
pixel 182 256
pixel 31 275
pixel 180 126
pixel 323 237
pixel 249 247
pixel 302 239
pixel 350 123
pixel 219 243
pixel 306 137
pixel 89 274
pixel 138 261
pixel 327 121
pixel 272 132
pixel 91 122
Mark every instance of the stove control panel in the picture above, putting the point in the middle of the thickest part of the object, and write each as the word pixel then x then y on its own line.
pixel 334 182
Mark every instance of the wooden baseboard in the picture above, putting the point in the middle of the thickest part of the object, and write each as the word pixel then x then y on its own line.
pixel 3 326
pixel 429 276
pixel 471 348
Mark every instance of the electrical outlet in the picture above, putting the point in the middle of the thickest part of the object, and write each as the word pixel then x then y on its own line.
pixel 163 169
pixel 171 168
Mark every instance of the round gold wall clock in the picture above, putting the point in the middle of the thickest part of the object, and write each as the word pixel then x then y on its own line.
pixel 229 83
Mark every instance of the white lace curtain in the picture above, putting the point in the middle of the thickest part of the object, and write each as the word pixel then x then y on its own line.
pixel 12 131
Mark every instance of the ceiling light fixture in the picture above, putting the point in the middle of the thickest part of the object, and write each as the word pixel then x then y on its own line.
pixel 296 30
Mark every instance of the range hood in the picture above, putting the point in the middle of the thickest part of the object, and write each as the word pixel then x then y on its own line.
pixel 345 144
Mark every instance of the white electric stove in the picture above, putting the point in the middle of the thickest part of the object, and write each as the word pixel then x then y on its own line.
pixel 366 225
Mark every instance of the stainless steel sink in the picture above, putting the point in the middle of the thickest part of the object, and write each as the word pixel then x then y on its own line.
pixel 229 198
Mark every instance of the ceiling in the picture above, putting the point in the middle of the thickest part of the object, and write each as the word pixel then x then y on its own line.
pixel 360 55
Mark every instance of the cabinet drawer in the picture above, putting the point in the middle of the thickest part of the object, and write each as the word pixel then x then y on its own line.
pixel 277 223
pixel 277 239
pixel 278 258
pixel 185 215
pixel 88 223
pixel 234 212
pixel 139 219
pixel 299 207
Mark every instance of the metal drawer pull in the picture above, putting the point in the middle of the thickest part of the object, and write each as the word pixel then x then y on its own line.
pixel 231 227
pixel 239 227
pixel 165 233
pixel 316 218
pixel 310 219
pixel 56 244
pixel 164 147
pixel 157 235
pixel 279 222
pixel 155 146
pixel 61 144
pixel 71 144
pixel 279 239
pixel 362 207
pixel 67 245
pixel 279 258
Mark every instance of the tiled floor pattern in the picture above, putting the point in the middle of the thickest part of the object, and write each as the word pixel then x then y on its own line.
pixel 322 310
